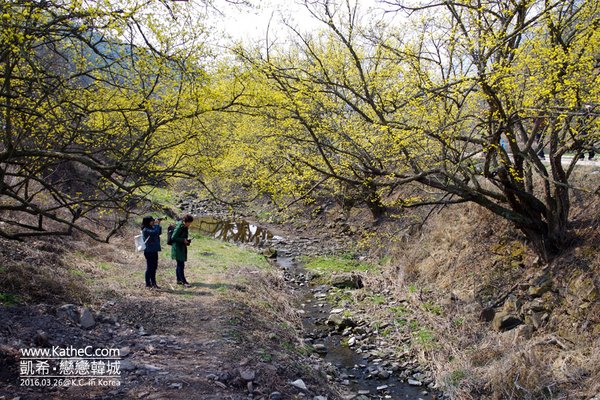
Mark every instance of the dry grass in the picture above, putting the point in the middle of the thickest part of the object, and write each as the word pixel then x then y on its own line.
pixel 34 271
pixel 539 369
pixel 462 260
pixel 270 322
pixel 268 291
pixel 59 269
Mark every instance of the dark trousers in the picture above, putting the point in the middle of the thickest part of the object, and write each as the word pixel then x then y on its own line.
pixel 151 267
pixel 180 272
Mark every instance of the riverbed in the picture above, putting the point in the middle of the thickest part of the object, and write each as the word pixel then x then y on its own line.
pixel 356 369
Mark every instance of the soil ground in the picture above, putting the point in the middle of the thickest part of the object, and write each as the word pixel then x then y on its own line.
pixel 232 333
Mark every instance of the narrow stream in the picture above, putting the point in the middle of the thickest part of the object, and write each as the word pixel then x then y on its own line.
pixel 368 378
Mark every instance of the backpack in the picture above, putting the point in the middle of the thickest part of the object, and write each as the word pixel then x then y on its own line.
pixel 170 230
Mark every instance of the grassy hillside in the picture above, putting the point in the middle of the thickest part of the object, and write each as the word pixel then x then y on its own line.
pixel 467 273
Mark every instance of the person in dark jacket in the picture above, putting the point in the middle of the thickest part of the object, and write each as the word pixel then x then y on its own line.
pixel 151 231
pixel 181 241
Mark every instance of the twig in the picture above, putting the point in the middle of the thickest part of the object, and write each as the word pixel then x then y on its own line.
pixel 554 340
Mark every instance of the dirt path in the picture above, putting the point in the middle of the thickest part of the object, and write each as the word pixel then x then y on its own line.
pixel 232 335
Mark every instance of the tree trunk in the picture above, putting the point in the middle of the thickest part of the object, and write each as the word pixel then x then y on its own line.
pixel 373 201
pixel 543 245
pixel 549 233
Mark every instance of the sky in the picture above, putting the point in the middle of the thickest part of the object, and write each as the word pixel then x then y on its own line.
pixel 251 24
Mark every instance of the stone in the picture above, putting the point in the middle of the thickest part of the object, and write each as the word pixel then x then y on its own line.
pixel 248 374
pixel 320 348
pixel 127 365
pixel 540 286
pixel 340 321
pixel 319 398
pixel 124 351
pixel 86 319
pixel 41 339
pixel 523 332
pixel 347 281
pixel 68 312
pixel 299 383
pixel 276 396
pixel 414 382
pixel 504 321
pixel 582 289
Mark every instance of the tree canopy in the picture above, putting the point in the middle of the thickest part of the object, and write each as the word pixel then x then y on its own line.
pixel 98 101
pixel 491 103
pixel 479 101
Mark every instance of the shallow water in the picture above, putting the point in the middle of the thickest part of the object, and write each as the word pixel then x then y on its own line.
pixel 353 367
pixel 229 230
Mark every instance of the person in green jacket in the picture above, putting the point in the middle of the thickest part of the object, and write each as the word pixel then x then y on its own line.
pixel 179 249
